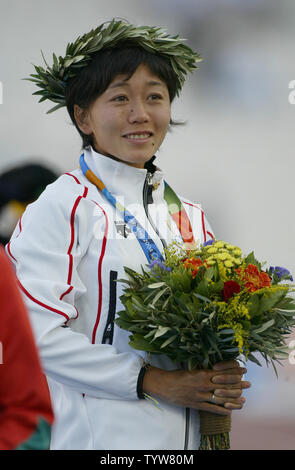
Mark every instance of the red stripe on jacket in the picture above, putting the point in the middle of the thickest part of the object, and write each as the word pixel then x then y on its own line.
pixel 99 274
pixel 73 235
pixel 41 303
pixel 69 252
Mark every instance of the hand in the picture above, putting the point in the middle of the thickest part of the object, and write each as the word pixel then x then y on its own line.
pixel 229 384
pixel 194 389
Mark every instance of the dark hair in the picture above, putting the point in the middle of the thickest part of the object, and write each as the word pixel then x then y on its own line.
pixel 95 78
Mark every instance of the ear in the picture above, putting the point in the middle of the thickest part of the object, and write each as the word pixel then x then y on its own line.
pixel 82 119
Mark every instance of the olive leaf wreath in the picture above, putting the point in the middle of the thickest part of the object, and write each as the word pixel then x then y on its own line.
pixel 52 80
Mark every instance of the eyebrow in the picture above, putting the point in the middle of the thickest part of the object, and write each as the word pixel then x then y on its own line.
pixel 124 83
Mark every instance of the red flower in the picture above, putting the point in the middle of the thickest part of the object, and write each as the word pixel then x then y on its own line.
pixel 193 264
pixel 229 289
pixel 255 279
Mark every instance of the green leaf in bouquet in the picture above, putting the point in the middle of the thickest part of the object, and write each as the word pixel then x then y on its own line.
pixel 181 301
pixel 150 334
pixel 137 303
pixel 168 341
pixel 201 297
pixel 205 361
pixel 175 320
pixel 286 303
pixel 217 287
pixel 232 350
pixel 159 295
pixel 282 353
pixel 135 279
pixel 250 259
pixel 162 330
pixel 124 281
pixel 252 358
pixel 156 285
pixel 202 288
pixel 285 313
pixel 264 327
pixel 192 363
pixel 124 315
pixel 253 305
pixel 270 298
pixel 213 343
pixel 226 335
pixel 246 324
pixel 209 317
pixel 227 331
pixel 209 273
pixel 138 342
pixel 180 280
pixel 129 307
pixel 125 325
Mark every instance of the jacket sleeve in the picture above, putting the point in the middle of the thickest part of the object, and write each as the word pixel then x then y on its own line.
pixel 25 409
pixel 46 254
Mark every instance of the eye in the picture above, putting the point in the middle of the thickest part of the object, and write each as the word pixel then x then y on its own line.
pixel 155 96
pixel 119 98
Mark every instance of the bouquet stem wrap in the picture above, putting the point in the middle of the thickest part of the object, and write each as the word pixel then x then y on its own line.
pixel 214 431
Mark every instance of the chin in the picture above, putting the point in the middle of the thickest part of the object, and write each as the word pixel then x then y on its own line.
pixel 138 162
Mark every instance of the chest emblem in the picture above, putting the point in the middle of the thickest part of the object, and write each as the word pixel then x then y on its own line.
pixel 122 228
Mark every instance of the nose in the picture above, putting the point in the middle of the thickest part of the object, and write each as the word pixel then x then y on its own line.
pixel 138 112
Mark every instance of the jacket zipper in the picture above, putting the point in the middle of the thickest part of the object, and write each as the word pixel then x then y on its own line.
pixel 109 329
pixel 187 423
pixel 148 199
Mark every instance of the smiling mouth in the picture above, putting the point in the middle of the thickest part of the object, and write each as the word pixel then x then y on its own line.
pixel 138 136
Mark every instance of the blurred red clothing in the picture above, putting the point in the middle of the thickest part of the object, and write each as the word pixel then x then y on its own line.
pixel 25 409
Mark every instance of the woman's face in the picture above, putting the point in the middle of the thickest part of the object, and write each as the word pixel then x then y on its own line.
pixel 130 119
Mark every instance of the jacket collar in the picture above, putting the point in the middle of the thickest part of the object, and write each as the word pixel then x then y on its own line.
pixel 122 179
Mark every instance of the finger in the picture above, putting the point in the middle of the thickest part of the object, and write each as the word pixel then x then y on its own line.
pixel 236 405
pixel 233 371
pixel 245 384
pixel 236 386
pixel 226 379
pixel 226 394
pixel 232 397
pixel 219 410
pixel 226 365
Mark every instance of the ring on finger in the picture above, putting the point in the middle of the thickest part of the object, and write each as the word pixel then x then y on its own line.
pixel 212 399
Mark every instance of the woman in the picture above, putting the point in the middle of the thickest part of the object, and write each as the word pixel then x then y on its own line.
pixel 117 82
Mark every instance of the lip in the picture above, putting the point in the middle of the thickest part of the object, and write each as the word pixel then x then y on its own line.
pixel 138 141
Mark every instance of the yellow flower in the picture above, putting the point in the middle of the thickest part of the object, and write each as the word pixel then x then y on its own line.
pixel 239 337
pixel 222 271
pixel 219 244
pixel 212 250
pixel 223 256
pixel 228 264
pixel 237 252
pixel 230 247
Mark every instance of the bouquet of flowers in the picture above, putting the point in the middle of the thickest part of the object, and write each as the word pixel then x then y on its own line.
pixel 206 305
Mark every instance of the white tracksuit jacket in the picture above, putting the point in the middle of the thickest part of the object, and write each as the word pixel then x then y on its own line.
pixel 68 248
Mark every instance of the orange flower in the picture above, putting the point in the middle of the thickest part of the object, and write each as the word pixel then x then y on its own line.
pixel 193 264
pixel 255 279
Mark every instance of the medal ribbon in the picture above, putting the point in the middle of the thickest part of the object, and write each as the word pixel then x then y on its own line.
pixel 175 208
